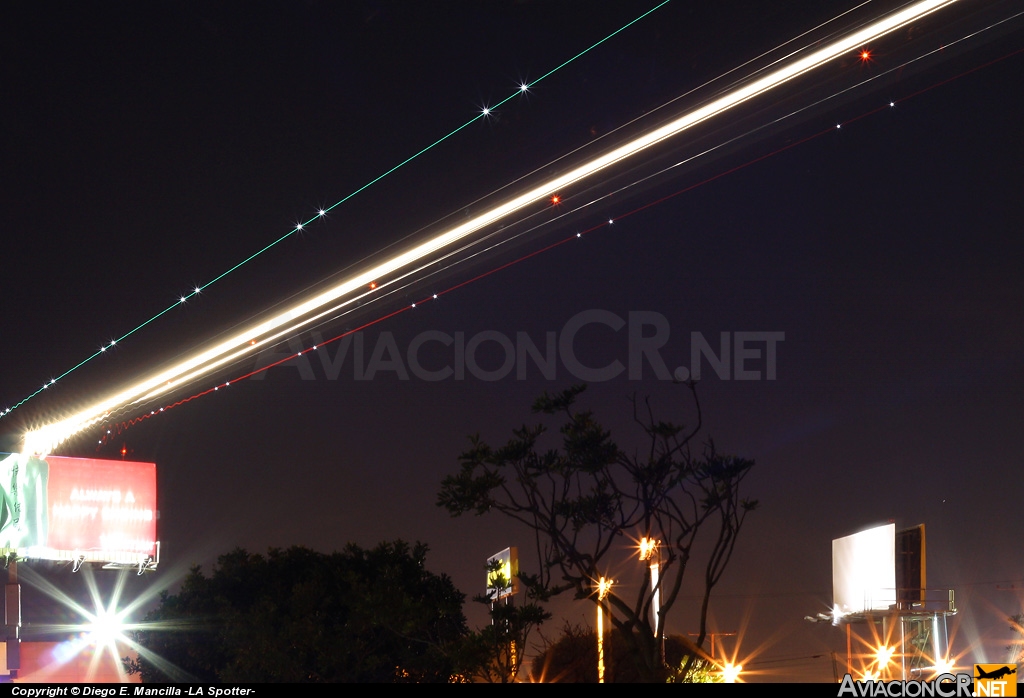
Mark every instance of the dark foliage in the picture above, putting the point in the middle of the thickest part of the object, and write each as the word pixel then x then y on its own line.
pixel 1016 649
pixel 301 616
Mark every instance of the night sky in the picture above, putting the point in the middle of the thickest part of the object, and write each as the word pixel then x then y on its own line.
pixel 149 148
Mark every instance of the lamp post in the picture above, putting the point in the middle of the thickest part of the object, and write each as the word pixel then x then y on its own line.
pixel 649 552
pixel 603 587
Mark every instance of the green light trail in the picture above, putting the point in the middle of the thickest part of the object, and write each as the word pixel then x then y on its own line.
pixel 524 88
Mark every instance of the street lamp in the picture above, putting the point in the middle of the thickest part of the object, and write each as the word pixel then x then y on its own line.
pixel 944 666
pixel 603 587
pixel 731 672
pixel 882 658
pixel 649 553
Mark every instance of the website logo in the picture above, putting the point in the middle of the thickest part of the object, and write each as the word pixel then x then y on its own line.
pixel 943 686
pixel 995 680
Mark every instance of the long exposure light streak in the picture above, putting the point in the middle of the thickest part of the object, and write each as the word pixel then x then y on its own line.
pixel 436 269
pixel 522 89
pixel 350 290
pixel 390 314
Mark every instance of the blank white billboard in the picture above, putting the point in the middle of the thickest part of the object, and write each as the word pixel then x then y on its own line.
pixel 864 571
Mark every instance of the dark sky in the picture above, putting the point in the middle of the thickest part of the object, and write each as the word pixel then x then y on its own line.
pixel 147 149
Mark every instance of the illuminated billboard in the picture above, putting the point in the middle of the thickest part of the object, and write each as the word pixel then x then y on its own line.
pixel 78 509
pixel 864 571
pixel 502 572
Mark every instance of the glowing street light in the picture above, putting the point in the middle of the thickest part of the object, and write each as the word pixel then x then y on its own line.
pixel 883 655
pixel 649 552
pixel 731 672
pixel 603 587
pixel 106 628
pixel 647 548
pixel 102 635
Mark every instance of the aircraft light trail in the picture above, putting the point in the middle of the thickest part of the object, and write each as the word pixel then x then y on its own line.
pixel 322 212
pixel 376 277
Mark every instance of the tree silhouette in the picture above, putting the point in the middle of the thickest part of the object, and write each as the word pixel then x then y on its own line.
pixel 302 616
pixel 583 497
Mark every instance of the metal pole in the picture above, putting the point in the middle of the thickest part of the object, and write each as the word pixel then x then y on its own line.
pixel 12 617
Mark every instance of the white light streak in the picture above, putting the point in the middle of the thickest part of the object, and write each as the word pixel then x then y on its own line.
pixel 47 438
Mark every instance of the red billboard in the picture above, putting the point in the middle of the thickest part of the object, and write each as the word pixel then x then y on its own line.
pixel 78 509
